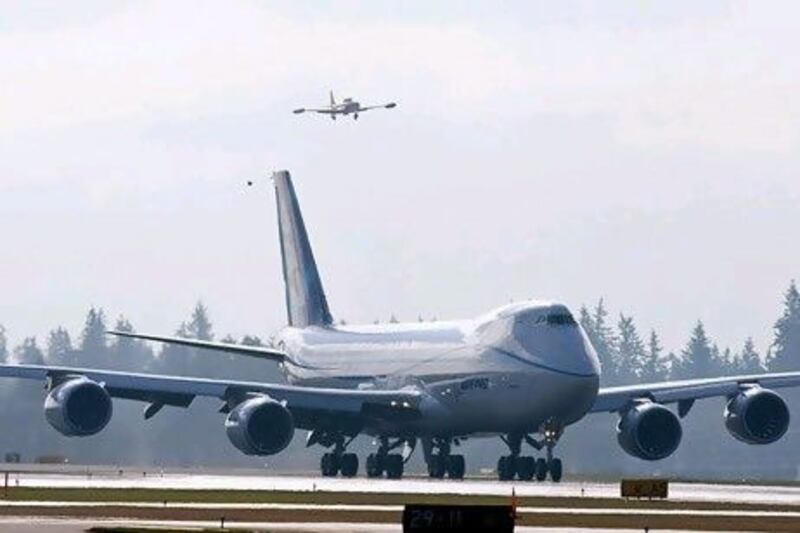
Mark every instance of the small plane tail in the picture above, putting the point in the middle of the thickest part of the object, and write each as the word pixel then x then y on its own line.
pixel 333 100
pixel 305 299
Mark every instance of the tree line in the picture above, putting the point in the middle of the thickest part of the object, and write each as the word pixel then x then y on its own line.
pixel 195 436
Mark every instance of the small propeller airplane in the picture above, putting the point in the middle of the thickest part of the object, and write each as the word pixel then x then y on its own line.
pixel 348 106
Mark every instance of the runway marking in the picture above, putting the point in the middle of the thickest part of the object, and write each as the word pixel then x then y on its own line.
pixel 392 508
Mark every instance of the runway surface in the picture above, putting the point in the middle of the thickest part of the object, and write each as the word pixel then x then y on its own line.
pixel 696 492
pixel 254 500
pixel 79 526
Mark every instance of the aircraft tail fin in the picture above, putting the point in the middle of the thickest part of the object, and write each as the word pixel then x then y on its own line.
pixel 333 100
pixel 305 299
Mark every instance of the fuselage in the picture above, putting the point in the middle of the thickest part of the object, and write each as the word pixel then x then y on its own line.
pixel 507 371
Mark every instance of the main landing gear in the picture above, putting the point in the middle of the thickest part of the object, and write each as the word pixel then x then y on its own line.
pixel 392 464
pixel 441 462
pixel 525 467
pixel 338 461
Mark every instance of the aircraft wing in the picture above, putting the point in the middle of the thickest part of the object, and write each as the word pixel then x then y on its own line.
pixel 686 392
pixel 309 405
pixel 323 110
pixel 390 105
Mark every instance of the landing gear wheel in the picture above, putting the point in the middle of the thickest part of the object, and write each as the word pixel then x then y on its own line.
pixel 394 466
pixel 455 466
pixel 556 469
pixel 541 469
pixel 348 465
pixel 329 465
pixel 526 467
pixel 375 465
pixel 437 466
pixel 506 468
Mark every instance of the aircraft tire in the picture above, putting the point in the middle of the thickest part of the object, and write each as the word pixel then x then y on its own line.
pixel 394 466
pixel 556 470
pixel 541 469
pixel 505 468
pixel 526 468
pixel 374 465
pixel 348 465
pixel 329 465
pixel 437 466
pixel 455 466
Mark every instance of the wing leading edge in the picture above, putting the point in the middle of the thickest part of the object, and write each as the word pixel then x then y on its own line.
pixel 611 399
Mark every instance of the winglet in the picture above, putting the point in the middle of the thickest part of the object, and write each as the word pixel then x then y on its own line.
pixel 305 299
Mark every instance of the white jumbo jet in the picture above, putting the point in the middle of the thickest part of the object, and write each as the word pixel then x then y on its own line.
pixel 348 106
pixel 523 372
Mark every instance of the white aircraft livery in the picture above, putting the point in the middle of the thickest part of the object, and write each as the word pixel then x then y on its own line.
pixel 523 372
pixel 348 106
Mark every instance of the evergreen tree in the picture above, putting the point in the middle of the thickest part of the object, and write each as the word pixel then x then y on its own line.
pixel 199 326
pixel 749 362
pixel 251 340
pixel 784 354
pixel 3 345
pixel 127 353
pixel 654 367
pixel 699 359
pixel 602 338
pixel 59 347
pixel 630 351
pixel 28 352
pixel 93 337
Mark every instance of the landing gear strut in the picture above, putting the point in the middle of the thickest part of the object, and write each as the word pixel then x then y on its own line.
pixel 441 461
pixel 384 462
pixel 526 468
pixel 337 461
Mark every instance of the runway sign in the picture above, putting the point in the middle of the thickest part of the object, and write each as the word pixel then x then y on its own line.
pixel 458 518
pixel 644 488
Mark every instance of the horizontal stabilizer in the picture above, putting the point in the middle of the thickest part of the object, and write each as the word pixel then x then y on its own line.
pixel 238 349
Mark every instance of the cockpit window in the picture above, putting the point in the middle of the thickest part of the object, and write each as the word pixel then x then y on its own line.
pixel 560 319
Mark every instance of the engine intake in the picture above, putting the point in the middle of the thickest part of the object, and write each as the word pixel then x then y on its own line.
pixel 78 407
pixel 649 431
pixel 757 416
pixel 260 426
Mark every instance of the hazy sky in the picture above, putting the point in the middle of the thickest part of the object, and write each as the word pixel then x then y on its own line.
pixel 647 152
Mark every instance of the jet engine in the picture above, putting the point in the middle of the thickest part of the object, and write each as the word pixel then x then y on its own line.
pixel 649 431
pixel 260 426
pixel 757 416
pixel 78 407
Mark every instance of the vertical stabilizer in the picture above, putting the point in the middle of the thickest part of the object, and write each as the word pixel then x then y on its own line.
pixel 305 300
pixel 333 100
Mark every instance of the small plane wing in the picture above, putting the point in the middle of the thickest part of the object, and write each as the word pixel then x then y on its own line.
pixel 308 404
pixel 323 110
pixel 617 398
pixel 390 105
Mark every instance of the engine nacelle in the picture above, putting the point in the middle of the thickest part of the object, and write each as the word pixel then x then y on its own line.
pixel 649 431
pixel 260 426
pixel 78 407
pixel 757 416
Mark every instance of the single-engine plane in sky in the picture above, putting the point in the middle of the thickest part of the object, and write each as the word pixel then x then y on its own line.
pixel 523 372
pixel 348 106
